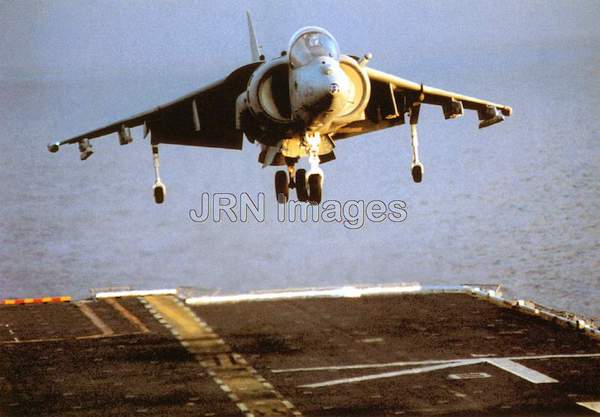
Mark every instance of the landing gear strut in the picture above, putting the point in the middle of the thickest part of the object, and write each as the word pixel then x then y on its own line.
pixel 416 167
pixel 291 166
pixel 315 174
pixel 309 186
pixel 160 191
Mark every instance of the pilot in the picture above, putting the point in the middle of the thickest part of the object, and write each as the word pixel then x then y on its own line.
pixel 311 45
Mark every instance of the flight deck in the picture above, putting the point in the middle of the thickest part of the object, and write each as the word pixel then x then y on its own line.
pixel 404 350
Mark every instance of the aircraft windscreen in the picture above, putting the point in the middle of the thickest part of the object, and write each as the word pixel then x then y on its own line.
pixel 310 43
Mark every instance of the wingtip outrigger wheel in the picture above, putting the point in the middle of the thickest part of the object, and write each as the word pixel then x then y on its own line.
pixel 160 192
pixel 159 189
pixel 416 171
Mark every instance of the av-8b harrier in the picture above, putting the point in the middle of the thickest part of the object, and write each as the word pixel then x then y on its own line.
pixel 296 105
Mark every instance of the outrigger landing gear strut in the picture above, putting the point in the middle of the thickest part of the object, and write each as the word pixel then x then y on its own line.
pixel 416 167
pixel 160 191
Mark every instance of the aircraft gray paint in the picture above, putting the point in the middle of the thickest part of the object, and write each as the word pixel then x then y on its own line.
pixel 296 105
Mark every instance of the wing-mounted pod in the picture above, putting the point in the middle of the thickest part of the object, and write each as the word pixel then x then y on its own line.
pixel 85 149
pixel 489 116
pixel 125 137
pixel 453 109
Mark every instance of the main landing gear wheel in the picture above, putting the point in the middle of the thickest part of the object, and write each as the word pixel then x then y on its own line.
pixel 301 187
pixel 282 186
pixel 417 172
pixel 315 188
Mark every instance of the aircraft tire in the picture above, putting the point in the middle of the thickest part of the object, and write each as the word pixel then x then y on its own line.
pixel 301 187
pixel 282 186
pixel 417 173
pixel 315 188
pixel 159 194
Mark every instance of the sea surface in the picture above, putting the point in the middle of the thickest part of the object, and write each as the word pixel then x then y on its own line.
pixel 517 204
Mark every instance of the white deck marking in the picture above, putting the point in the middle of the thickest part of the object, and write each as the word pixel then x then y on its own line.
pixel 506 364
pixel 470 375
pixel 430 362
pixel 573 355
pixel 343 292
pixel 521 371
pixel 367 366
pixel 134 293
pixel 410 371
pixel 594 406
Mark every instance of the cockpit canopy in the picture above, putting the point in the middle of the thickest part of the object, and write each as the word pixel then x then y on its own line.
pixel 310 43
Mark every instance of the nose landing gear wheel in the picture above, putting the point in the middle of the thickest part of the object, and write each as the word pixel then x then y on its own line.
pixel 282 186
pixel 315 188
pixel 301 188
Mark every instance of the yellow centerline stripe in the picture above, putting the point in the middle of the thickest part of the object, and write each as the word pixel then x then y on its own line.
pixel 253 395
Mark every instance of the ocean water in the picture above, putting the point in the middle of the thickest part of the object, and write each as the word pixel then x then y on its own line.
pixel 517 204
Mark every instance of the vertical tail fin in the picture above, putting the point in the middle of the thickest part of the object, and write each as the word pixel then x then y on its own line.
pixel 256 49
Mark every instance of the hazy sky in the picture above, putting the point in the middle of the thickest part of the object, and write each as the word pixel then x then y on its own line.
pixel 76 39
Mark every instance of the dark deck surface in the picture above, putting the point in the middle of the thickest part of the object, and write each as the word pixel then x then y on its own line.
pixel 312 333
pixel 101 359
pixel 130 373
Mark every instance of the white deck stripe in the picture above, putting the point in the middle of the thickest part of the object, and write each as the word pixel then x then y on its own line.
pixel 506 364
pixel 134 293
pixel 392 374
pixel 366 366
pixel 594 406
pixel 343 292
pixel 573 355
pixel 521 371
pixel 431 362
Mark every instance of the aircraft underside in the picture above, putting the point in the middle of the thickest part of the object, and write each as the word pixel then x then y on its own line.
pixel 294 106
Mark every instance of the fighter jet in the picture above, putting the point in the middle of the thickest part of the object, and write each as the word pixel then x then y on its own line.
pixel 294 106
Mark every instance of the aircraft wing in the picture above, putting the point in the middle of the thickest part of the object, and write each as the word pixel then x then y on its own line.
pixel 489 112
pixel 205 117
pixel 392 97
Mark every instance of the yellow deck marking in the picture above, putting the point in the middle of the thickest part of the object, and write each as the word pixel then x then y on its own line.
pixel 85 309
pixel 128 315
pixel 251 393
